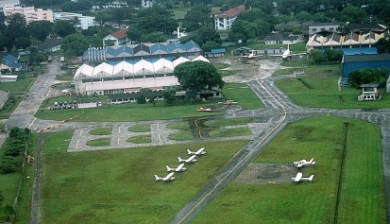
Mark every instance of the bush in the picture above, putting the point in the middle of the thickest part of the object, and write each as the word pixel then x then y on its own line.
pixel 9 164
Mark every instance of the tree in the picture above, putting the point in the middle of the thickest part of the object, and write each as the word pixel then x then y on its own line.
pixel 40 29
pixel 354 14
pixel 64 27
pixel 368 75
pixel 317 56
pixel 153 37
pixel 383 45
pixel 74 45
pixel 102 17
pixel 197 17
pixel 243 30
pixel 1 198
pixel 169 96
pixel 333 55
pixel 198 75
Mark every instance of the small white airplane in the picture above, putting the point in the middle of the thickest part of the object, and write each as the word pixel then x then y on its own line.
pixel 189 160
pixel 180 168
pixel 251 55
pixel 304 162
pixel 287 53
pixel 298 178
pixel 168 177
pixel 198 153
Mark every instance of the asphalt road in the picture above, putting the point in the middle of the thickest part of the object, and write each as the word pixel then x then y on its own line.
pixel 279 111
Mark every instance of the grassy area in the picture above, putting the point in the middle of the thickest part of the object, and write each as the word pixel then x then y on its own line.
pixel 140 139
pixel 230 132
pixel 101 131
pixel 124 112
pixel 117 186
pixel 362 191
pixel 243 95
pixel 228 122
pixel 182 136
pixel 99 142
pixel 311 69
pixel 325 94
pixel 183 125
pixel 17 91
pixel 140 128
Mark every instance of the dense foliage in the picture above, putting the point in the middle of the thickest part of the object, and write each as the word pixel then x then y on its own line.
pixel 367 76
pixel 198 75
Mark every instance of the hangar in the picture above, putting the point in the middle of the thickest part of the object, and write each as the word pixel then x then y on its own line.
pixel 352 63
pixel 125 77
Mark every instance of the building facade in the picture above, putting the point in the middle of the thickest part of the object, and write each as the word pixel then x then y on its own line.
pixel 30 13
pixel 8 3
pixel 124 77
pixel 84 21
pixel 224 20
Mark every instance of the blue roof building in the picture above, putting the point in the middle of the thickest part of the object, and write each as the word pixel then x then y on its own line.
pixel 143 51
pixel 352 63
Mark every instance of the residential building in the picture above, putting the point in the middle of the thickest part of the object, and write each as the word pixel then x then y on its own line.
pixel 30 13
pixel 321 27
pixel 84 21
pixel 50 45
pixel 278 38
pixel 119 37
pixel 9 3
pixel 224 20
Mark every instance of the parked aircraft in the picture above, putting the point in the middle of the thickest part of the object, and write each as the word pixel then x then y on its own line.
pixel 287 53
pixel 228 102
pixel 199 152
pixel 251 55
pixel 304 162
pixel 189 160
pixel 298 178
pixel 180 168
pixel 168 177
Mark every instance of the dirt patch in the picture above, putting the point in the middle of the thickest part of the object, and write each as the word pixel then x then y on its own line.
pixel 248 70
pixel 268 173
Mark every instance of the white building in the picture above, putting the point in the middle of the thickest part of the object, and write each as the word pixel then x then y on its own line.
pixel 12 3
pixel 106 79
pixel 147 3
pixel 84 21
pixel 224 20
pixel 320 27
pixel 30 13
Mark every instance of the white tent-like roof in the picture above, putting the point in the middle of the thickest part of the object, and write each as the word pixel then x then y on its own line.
pixel 201 58
pixel 143 67
pixel 179 61
pixel 123 68
pixel 102 70
pixel 84 71
pixel 163 66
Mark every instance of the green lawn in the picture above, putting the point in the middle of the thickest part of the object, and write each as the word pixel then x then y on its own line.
pixel 140 128
pixel 362 191
pixel 117 186
pixel 325 93
pixel 124 112
pixel 101 131
pixel 140 139
pixel 310 69
pixel 182 136
pixel 99 142
pixel 243 95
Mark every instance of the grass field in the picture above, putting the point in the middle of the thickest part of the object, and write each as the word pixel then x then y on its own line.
pixel 325 94
pixel 117 186
pixel 310 69
pixel 243 95
pixel 362 190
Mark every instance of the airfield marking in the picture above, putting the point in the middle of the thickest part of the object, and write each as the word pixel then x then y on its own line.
pixel 118 141
pixel 197 126
pixel 32 122
pixel 241 161
pixel 81 132
pixel 77 144
pixel 119 129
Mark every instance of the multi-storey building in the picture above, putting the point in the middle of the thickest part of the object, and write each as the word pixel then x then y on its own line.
pixel 30 13
pixel 224 20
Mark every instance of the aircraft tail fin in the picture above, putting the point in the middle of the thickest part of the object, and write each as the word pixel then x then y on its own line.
pixel 311 178
pixel 189 152
pixel 157 178
pixel 180 159
pixel 169 169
